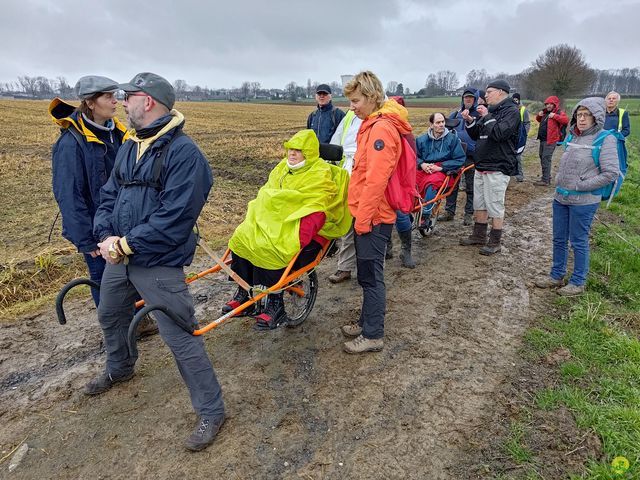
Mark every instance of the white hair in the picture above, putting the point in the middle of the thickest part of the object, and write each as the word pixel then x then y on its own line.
pixel 612 92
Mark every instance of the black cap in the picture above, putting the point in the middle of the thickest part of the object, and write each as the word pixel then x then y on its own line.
pixel 323 87
pixel 516 95
pixel 153 85
pixel 500 84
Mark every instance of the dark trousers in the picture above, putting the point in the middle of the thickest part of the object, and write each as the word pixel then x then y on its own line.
pixel 450 205
pixel 96 269
pixel 261 276
pixel 370 250
pixel 165 286
pixel 546 158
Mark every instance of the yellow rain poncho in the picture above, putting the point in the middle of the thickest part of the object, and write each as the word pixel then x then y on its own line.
pixel 269 235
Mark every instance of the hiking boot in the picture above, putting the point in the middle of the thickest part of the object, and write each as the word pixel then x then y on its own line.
pixel 477 237
pixel 146 327
pixel 405 252
pixel 447 216
pixel 493 245
pixel 273 315
pixel 204 433
pixel 240 297
pixel 362 345
pixel 388 254
pixel 548 282
pixel 104 382
pixel 570 290
pixel 541 183
pixel 351 330
pixel 468 219
pixel 340 276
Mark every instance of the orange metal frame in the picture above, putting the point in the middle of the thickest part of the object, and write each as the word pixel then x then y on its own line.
pixel 286 282
pixel 443 192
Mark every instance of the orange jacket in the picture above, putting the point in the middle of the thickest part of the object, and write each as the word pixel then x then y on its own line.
pixel 379 147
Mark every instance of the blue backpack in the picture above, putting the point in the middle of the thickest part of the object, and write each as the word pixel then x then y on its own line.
pixel 611 190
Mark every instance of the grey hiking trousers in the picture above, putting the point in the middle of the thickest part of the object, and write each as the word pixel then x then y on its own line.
pixel 119 289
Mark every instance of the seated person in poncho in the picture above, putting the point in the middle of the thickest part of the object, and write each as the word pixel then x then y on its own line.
pixel 303 205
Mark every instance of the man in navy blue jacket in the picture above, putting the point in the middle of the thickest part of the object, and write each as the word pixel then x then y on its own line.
pixel 325 119
pixel 145 225
pixel 616 118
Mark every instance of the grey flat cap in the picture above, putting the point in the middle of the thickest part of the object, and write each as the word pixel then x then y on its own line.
pixel 92 84
pixel 153 85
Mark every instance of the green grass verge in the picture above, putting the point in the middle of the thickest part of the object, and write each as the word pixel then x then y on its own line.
pixel 600 383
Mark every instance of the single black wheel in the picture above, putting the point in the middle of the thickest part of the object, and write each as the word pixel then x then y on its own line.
pixel 299 298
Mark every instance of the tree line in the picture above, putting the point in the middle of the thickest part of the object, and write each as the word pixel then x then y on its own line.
pixel 561 70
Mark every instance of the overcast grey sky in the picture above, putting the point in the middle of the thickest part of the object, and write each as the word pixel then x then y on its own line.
pixel 222 44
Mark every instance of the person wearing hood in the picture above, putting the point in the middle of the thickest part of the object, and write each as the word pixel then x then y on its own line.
pixel 577 196
pixel 326 117
pixel 302 206
pixel 551 121
pixel 379 149
pixel 149 207
pixel 82 160
pixel 471 99
pixel 496 134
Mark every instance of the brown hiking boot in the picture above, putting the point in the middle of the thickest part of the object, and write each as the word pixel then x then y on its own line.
pixel 477 237
pixel 547 282
pixel 362 345
pixel 340 276
pixel 146 327
pixel 493 246
pixel 447 216
pixel 351 330
pixel 570 290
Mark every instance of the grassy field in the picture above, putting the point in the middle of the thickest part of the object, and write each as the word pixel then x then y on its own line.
pixel 598 334
pixel 242 142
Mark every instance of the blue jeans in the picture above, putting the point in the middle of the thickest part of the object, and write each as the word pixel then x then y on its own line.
pixel 96 269
pixel 571 223
pixel 404 220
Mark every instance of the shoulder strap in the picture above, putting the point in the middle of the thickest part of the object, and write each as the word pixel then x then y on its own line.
pixel 156 169
pixel 76 134
pixel 597 146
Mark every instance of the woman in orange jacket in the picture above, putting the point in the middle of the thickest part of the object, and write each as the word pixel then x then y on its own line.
pixel 379 148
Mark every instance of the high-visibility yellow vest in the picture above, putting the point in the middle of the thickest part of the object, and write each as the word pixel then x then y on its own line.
pixel 620 114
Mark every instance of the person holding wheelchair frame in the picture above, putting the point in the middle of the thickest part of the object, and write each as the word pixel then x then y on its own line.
pixel 302 206
pixel 149 206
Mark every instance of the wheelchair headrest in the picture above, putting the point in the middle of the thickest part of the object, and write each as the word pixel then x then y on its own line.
pixel 330 152
pixel 451 123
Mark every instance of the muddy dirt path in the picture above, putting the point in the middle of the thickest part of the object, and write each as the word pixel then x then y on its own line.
pixel 297 406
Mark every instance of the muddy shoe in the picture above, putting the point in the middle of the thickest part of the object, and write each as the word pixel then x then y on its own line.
pixel 478 237
pixel 541 183
pixel 146 327
pixel 447 216
pixel 548 282
pixel 468 219
pixel 570 290
pixel 273 315
pixel 493 245
pixel 351 330
pixel 104 382
pixel 203 434
pixel 362 345
pixel 340 276
pixel 240 297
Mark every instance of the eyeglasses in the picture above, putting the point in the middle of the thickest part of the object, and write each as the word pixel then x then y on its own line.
pixel 583 115
pixel 134 94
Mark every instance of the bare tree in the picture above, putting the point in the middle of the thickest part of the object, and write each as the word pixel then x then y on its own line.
pixel 64 89
pixel 391 87
pixel 310 89
pixel 28 85
pixel 245 89
pixel 477 78
pixel 181 88
pixel 562 71
pixel 291 91
pixel 431 87
pixel 255 88
pixel 336 88
pixel 447 80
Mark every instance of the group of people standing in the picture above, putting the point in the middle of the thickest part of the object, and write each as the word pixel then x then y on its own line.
pixel 130 199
